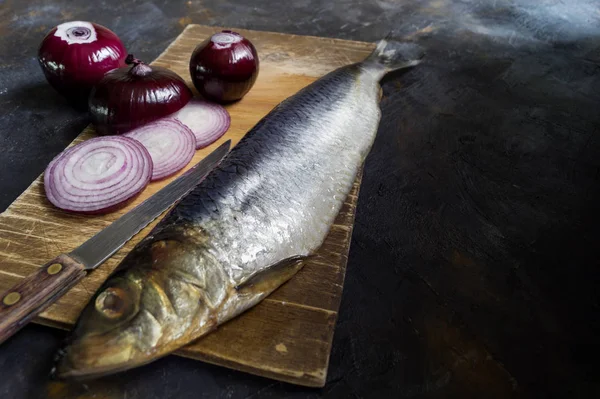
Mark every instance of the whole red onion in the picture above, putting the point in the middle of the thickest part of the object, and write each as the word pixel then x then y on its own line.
pixel 224 67
pixel 130 97
pixel 75 56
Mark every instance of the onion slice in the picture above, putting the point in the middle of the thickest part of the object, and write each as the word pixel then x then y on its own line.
pixel 98 175
pixel 208 121
pixel 170 144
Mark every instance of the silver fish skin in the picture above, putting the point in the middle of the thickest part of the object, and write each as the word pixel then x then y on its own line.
pixel 244 230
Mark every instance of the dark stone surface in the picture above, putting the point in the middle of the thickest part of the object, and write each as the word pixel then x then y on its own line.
pixel 473 265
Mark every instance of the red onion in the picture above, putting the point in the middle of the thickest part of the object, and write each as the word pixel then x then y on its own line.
pixel 170 144
pixel 224 67
pixel 75 56
pixel 129 97
pixel 98 175
pixel 208 121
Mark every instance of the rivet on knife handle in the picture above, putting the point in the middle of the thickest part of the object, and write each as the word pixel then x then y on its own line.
pixel 35 293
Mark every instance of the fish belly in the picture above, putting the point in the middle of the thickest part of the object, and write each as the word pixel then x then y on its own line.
pixel 279 190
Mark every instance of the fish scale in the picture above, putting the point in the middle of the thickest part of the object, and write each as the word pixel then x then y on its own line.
pixel 244 230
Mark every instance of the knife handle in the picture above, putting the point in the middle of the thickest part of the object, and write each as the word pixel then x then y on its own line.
pixel 35 293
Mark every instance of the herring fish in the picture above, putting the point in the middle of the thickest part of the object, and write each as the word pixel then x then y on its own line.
pixel 244 230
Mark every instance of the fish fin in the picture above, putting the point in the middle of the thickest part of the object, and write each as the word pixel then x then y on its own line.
pixel 268 279
pixel 394 55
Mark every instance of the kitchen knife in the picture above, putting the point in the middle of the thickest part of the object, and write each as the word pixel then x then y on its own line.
pixel 36 292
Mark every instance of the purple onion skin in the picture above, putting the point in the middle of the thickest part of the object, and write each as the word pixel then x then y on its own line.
pixel 124 99
pixel 224 72
pixel 73 69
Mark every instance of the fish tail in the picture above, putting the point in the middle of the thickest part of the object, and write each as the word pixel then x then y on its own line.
pixel 393 55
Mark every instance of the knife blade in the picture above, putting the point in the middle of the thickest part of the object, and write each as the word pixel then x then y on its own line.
pixel 36 292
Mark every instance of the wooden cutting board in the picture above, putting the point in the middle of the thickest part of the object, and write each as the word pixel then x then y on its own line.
pixel 288 336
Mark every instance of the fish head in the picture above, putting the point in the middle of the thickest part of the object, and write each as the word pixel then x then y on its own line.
pixel 143 311
pixel 107 335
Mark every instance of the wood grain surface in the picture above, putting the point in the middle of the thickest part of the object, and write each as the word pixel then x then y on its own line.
pixel 24 301
pixel 288 336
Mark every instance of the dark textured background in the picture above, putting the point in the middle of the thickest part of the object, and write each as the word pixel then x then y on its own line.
pixel 473 265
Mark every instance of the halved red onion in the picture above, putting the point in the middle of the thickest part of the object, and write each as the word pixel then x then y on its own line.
pixel 98 175
pixel 170 144
pixel 129 97
pixel 208 121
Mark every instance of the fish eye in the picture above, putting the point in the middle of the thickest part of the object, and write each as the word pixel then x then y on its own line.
pixel 112 302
